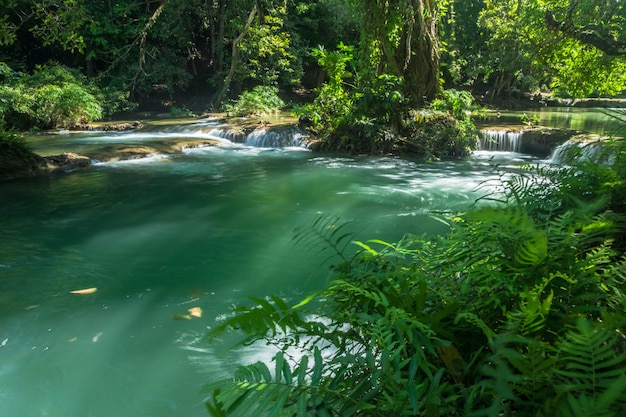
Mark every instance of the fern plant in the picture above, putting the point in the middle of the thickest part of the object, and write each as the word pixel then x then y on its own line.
pixel 519 311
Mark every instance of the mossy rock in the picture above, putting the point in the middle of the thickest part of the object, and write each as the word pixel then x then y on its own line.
pixel 20 165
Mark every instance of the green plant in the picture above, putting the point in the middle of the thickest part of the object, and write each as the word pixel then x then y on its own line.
pixel 459 103
pixel 51 96
pixel 518 311
pixel 16 154
pixel 176 111
pixel 13 144
pixel 530 121
pixel 261 101
pixel 333 104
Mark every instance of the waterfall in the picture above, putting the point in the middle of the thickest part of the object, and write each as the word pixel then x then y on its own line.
pixel 233 135
pixel 500 140
pixel 281 137
pixel 576 149
pixel 262 138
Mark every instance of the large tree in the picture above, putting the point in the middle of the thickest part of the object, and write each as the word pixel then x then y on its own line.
pixel 402 38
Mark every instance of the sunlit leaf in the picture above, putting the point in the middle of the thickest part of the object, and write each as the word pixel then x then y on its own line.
pixel 195 312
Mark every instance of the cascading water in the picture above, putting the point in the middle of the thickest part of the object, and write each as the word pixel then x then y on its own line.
pixel 262 138
pixel 570 150
pixel 282 137
pixel 501 140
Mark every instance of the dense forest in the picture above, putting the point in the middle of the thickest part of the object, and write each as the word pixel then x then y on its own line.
pixel 213 48
pixel 363 60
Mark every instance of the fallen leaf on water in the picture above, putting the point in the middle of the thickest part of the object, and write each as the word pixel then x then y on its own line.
pixel 84 291
pixel 195 311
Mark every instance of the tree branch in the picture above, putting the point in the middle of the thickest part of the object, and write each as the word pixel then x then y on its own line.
pixel 587 35
pixel 235 55
pixel 140 40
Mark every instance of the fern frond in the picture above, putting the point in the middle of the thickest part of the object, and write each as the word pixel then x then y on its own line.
pixel 323 233
pixel 254 391
pixel 591 360
pixel 269 318
pixel 591 372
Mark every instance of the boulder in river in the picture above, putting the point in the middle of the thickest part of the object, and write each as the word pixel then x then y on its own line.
pixel 66 161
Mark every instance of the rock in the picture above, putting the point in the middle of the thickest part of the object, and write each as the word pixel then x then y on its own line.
pixel 541 141
pixel 67 162
pixel 116 127
pixel 19 166
pixel 124 152
pixel 122 126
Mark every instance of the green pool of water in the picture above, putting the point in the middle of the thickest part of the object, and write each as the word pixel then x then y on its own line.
pixel 157 237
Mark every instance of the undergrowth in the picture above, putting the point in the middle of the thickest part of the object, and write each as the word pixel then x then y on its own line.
pixel 16 154
pixel 518 311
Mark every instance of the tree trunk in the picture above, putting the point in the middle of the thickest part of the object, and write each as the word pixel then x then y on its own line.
pixel 415 56
pixel 419 52
pixel 235 56
pixel 217 26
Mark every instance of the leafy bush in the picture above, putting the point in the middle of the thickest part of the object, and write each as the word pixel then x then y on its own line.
pixel 12 143
pixel 333 104
pixel 52 96
pixel 183 111
pixel 437 134
pixel 518 311
pixel 458 102
pixel 373 116
pixel 261 101
pixel 16 155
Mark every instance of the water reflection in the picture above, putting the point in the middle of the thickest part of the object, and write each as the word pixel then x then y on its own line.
pixel 593 120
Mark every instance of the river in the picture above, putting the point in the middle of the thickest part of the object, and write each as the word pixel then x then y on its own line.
pixel 161 248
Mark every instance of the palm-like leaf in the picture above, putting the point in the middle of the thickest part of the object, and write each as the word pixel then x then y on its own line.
pixel 591 372
pixel 326 232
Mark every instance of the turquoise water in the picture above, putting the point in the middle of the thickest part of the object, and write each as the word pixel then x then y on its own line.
pixel 160 236
pixel 592 120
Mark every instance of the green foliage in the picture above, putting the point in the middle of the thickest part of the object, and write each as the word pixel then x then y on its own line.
pixel 52 96
pixel 532 120
pixel 459 103
pixel 374 116
pixel 178 112
pixel 494 48
pixel 261 101
pixel 268 53
pixel 12 143
pixel 523 52
pixel 333 103
pixel 16 155
pixel 518 311
pixel 60 22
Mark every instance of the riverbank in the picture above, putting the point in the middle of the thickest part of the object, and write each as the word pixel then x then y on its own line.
pixel 542 101
pixel 33 164
pixel 174 135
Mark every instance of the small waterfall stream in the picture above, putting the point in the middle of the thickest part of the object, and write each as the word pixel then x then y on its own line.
pixel 593 151
pixel 283 137
pixel 501 140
